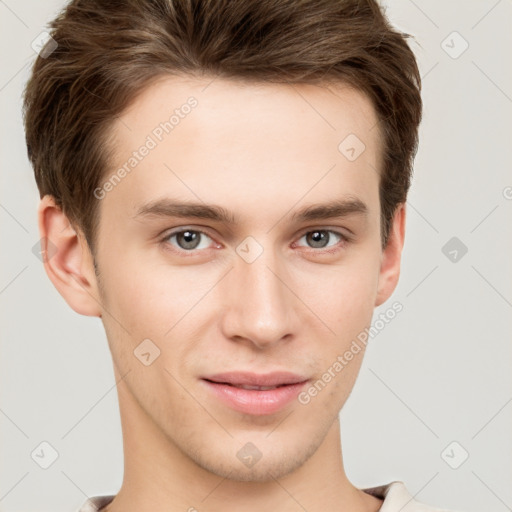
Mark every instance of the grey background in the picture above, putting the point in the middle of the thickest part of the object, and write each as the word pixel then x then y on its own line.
pixel 439 372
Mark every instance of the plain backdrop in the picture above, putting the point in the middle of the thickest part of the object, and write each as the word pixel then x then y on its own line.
pixel 433 403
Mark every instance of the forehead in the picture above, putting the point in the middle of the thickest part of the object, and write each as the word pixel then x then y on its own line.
pixel 248 107
pixel 222 141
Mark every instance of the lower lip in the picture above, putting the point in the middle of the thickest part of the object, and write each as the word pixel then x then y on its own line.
pixel 251 401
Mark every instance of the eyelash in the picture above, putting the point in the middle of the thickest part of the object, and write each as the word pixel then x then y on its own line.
pixel 344 239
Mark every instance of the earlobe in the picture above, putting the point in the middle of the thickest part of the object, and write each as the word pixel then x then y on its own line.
pixel 67 259
pixel 391 257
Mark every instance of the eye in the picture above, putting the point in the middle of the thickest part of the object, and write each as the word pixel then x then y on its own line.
pixel 190 240
pixel 322 238
pixel 187 239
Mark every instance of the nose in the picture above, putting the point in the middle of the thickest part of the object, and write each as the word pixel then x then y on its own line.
pixel 260 309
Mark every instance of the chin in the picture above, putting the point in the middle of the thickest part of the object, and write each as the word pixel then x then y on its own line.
pixel 273 464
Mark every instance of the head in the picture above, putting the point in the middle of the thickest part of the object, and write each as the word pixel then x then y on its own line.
pixel 292 128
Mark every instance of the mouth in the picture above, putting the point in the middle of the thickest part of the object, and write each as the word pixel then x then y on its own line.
pixel 257 380
pixel 247 386
pixel 255 394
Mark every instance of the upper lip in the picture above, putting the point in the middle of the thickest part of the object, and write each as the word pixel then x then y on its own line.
pixel 255 379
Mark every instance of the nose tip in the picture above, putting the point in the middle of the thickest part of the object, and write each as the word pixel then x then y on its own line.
pixel 260 308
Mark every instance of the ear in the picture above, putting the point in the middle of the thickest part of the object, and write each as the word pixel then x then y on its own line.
pixel 67 259
pixel 391 257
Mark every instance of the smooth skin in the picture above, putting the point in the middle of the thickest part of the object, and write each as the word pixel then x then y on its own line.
pixel 262 152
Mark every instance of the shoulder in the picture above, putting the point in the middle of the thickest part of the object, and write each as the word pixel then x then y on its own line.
pixel 397 498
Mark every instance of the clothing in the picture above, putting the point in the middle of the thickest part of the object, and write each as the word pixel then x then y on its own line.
pixel 398 499
pixel 395 495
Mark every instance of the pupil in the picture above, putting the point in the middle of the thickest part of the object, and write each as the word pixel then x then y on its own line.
pixel 190 239
pixel 319 238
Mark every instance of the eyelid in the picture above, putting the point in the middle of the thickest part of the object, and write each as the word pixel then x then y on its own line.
pixel 343 232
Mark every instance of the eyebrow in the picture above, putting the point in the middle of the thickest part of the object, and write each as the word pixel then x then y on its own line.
pixel 170 208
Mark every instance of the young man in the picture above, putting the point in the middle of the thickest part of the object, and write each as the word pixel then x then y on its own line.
pixel 223 184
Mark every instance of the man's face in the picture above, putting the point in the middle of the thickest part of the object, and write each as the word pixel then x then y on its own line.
pixel 268 292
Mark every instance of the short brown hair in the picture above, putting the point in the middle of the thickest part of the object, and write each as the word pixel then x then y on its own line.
pixel 108 51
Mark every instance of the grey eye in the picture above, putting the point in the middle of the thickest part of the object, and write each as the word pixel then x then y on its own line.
pixel 188 239
pixel 320 238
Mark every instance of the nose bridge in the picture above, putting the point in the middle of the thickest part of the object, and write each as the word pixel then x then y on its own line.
pixel 260 308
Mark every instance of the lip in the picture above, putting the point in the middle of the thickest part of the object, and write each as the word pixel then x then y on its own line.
pixel 253 401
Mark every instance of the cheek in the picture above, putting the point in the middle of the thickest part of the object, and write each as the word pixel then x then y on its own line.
pixel 151 299
pixel 343 296
pixel 161 304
